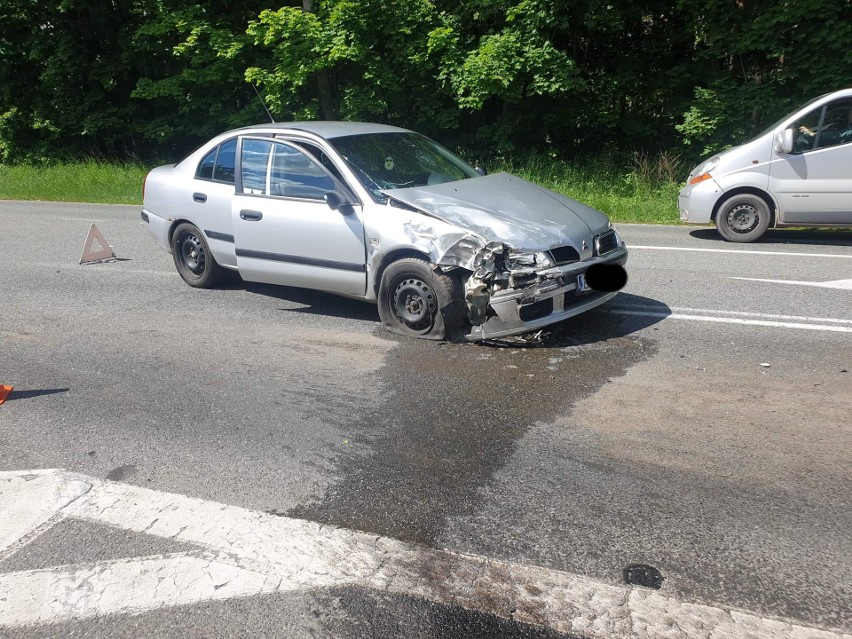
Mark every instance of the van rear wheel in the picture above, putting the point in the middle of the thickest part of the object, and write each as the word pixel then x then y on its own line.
pixel 743 218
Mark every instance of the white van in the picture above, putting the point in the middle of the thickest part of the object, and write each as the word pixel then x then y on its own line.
pixel 796 173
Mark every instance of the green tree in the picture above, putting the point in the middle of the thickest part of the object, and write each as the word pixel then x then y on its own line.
pixel 193 84
pixel 360 60
pixel 756 61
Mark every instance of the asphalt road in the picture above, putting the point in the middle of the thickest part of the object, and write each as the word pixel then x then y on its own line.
pixel 700 423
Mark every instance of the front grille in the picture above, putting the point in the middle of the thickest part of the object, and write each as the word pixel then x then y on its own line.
pixel 564 255
pixel 573 298
pixel 536 310
pixel 606 242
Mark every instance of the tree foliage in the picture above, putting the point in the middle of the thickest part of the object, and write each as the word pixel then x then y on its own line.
pixel 157 77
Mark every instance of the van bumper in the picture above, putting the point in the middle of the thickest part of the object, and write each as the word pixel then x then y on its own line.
pixel 696 201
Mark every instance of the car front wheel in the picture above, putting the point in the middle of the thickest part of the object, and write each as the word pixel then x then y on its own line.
pixel 743 218
pixel 193 259
pixel 417 299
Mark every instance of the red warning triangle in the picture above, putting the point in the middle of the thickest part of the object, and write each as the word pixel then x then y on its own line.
pixel 92 254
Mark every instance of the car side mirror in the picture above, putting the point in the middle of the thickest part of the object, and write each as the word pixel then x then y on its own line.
pixel 336 202
pixel 787 139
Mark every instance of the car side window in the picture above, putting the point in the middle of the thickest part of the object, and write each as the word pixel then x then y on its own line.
pixel 205 167
pixel 224 171
pixel 320 156
pixel 295 174
pixel 254 166
pixel 218 165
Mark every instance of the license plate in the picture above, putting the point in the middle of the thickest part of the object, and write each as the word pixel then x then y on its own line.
pixel 582 286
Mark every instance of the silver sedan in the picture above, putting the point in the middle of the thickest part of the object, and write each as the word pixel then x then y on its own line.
pixel 385 215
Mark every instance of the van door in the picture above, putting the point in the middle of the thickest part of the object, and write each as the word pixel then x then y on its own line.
pixel 813 184
pixel 284 231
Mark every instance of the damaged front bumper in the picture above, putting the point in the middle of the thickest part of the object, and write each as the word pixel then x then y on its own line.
pixel 556 296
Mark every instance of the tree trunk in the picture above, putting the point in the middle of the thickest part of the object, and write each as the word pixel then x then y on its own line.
pixel 324 89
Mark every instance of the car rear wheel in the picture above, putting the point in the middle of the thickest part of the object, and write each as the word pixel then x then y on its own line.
pixel 417 299
pixel 743 218
pixel 193 259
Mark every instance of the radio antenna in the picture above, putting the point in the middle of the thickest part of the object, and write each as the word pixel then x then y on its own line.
pixel 271 119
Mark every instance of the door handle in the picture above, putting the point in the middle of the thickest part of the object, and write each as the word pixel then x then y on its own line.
pixel 251 216
pixel 199 197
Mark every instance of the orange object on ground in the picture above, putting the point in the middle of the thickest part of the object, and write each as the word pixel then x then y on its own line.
pixel 4 392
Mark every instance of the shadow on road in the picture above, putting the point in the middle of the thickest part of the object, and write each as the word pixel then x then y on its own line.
pixel 822 237
pixel 621 316
pixel 25 394
pixel 317 302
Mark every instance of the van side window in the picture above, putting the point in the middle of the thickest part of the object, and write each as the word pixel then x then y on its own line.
pixel 825 127
pixel 836 125
pixel 805 131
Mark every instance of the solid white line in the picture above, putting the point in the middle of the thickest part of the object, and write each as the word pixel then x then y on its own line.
pixel 741 251
pixel 709 311
pixel 845 285
pixel 251 552
pixel 734 320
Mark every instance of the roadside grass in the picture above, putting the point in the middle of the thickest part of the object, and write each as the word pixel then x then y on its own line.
pixel 642 190
pixel 81 181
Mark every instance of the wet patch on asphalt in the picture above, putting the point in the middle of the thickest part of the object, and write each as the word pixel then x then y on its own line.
pixel 452 416
pixel 122 472
pixel 367 613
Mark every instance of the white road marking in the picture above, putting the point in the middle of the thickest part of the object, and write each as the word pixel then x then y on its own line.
pixel 733 320
pixel 839 284
pixel 28 500
pixel 713 311
pixel 244 553
pixel 740 251
pixel 127 586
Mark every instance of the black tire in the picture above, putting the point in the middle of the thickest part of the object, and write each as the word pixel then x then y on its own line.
pixel 193 259
pixel 417 299
pixel 743 218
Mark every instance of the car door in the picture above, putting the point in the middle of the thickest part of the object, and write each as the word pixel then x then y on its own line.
pixel 212 195
pixel 284 231
pixel 813 184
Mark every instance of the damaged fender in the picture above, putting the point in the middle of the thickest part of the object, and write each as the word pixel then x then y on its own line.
pixel 467 251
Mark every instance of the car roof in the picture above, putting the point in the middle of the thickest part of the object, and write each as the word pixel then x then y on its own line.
pixel 329 128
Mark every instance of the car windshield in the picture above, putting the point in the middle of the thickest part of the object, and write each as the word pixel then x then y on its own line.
pixel 399 160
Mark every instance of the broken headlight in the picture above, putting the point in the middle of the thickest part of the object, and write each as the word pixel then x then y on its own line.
pixel 521 260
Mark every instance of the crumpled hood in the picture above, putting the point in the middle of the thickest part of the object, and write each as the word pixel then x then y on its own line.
pixel 507 209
